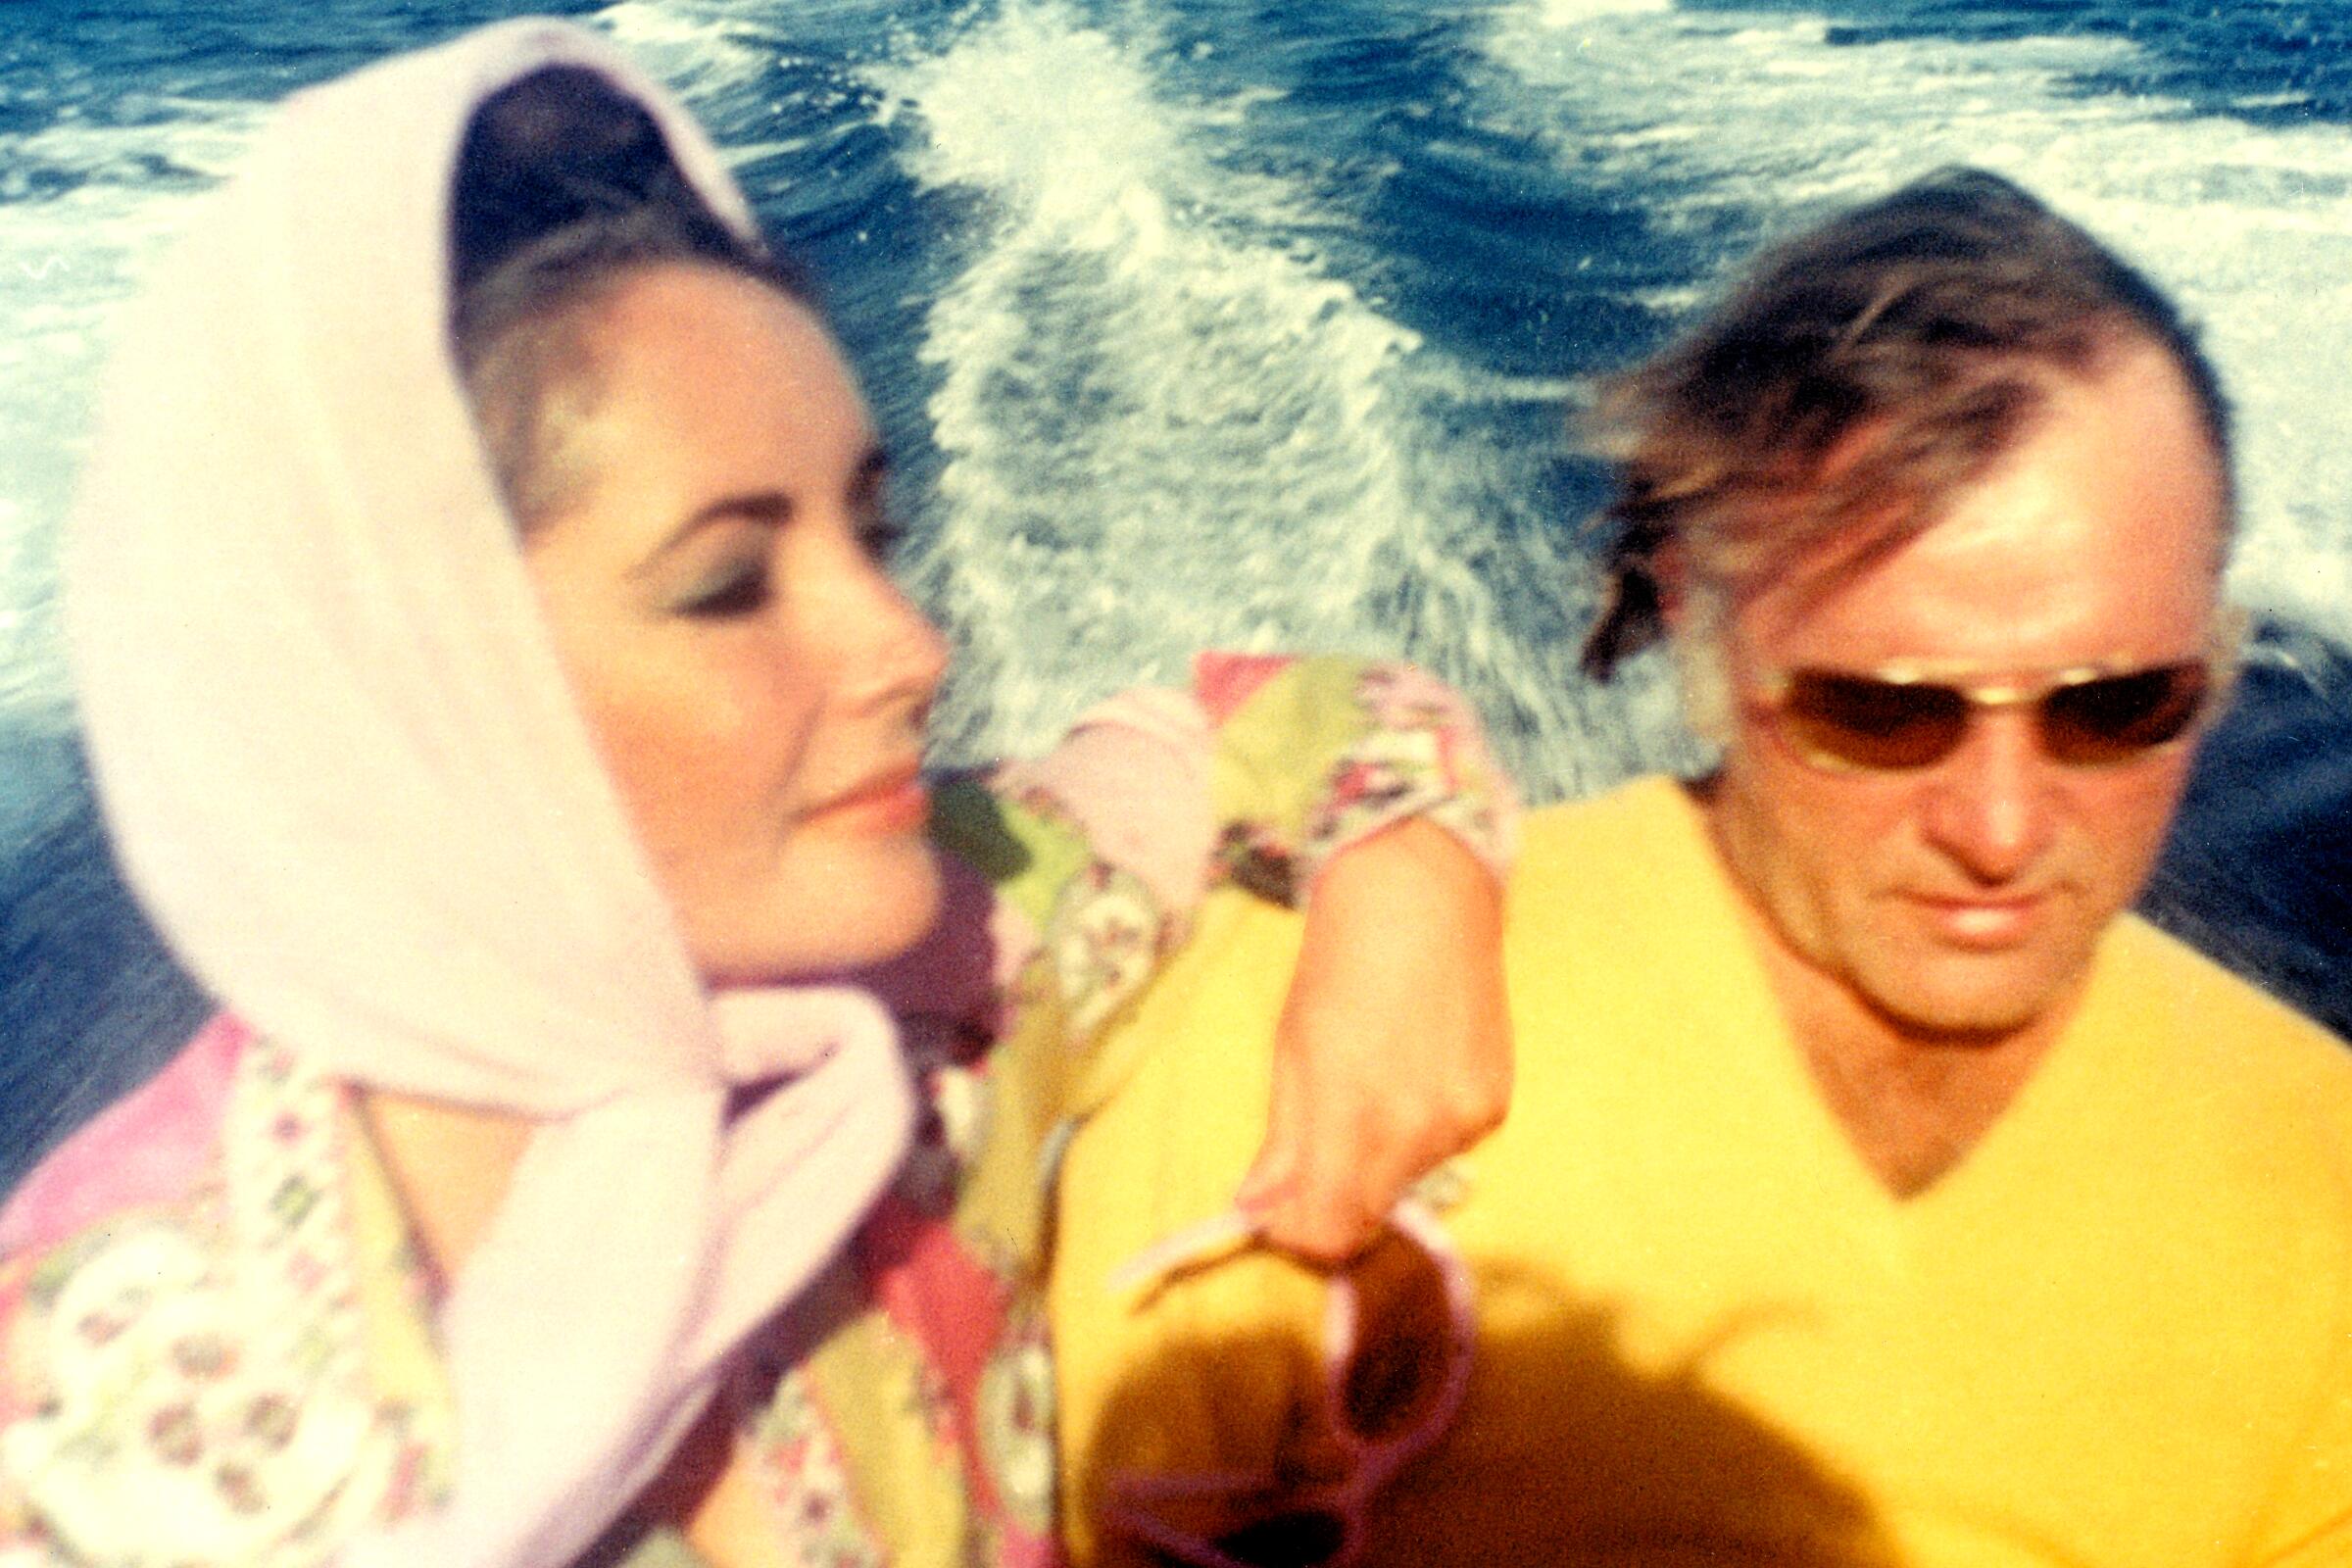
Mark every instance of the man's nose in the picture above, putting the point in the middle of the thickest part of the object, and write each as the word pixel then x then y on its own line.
pixel 1991 805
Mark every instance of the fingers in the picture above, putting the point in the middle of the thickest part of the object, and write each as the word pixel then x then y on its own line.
pixel 1393 1051
pixel 1340 1200
pixel 1273 1177
pixel 1334 1162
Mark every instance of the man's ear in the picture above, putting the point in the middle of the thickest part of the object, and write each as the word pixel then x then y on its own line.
pixel 1694 617
pixel 1705 686
pixel 1670 574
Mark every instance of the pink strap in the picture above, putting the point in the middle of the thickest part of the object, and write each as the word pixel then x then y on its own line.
pixel 1372 1464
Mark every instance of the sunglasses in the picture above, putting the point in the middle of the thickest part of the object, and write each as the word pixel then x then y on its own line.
pixel 1901 718
pixel 1387 1392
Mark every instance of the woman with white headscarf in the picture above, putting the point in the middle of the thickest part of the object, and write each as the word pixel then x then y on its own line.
pixel 497 705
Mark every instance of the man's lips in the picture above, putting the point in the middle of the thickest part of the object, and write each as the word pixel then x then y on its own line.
pixel 893 801
pixel 1982 921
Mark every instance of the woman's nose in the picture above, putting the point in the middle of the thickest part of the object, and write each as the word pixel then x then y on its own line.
pixel 911 654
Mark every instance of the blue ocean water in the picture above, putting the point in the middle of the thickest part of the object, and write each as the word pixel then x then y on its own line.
pixel 1229 323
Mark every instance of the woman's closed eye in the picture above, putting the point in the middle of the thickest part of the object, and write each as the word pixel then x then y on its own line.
pixel 722 563
pixel 881 533
pixel 742 587
pixel 880 529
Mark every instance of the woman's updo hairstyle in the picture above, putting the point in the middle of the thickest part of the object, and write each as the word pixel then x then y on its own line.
pixel 565 186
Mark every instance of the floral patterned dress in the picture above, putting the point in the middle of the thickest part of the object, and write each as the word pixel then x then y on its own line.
pixel 216 1327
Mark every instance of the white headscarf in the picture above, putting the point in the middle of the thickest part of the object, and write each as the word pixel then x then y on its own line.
pixel 343 769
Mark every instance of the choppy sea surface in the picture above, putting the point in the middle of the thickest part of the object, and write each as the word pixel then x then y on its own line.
pixel 1204 323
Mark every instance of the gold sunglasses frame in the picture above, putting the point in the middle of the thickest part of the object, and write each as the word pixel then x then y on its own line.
pixel 1769 689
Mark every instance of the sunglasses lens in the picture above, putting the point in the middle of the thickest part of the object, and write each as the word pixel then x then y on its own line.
pixel 2116 718
pixel 1862 722
pixel 1397 1370
pixel 1303 1536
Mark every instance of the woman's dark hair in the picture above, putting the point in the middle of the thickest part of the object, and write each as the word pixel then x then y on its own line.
pixel 565 186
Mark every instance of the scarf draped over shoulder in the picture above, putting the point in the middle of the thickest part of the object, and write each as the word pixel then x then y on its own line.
pixel 342 768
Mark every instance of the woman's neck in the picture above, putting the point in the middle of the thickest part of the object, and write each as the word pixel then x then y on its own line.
pixel 450 1164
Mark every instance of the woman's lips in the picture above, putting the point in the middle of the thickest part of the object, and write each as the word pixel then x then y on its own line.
pixel 894 801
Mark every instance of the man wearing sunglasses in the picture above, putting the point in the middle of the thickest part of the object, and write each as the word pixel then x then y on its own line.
pixel 1876 1189
pixel 1961 1193
pixel 1933 512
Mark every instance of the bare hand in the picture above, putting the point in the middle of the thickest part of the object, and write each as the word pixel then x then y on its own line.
pixel 1394 1050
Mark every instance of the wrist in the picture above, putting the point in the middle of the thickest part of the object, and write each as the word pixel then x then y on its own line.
pixel 1413 861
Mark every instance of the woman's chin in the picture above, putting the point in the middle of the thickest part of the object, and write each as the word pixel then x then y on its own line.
pixel 870 905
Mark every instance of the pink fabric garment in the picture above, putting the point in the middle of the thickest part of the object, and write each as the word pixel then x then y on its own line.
pixel 1225 681
pixel 150 1146
pixel 1144 745
pixel 344 772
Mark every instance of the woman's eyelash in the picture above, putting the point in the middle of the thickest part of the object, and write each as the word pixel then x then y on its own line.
pixel 882 537
pixel 738 593
pixel 748 586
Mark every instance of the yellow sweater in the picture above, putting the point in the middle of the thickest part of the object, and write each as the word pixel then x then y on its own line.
pixel 2118 1334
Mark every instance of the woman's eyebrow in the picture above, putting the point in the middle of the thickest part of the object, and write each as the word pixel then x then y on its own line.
pixel 766 508
pixel 771 507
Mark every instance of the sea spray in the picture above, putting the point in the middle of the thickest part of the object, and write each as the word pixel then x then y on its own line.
pixel 1163 428
pixel 1727 126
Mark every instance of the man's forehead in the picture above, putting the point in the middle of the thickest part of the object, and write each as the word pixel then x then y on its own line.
pixel 2104 518
pixel 1894 475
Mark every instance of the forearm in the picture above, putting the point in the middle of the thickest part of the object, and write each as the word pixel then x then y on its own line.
pixel 1394 1049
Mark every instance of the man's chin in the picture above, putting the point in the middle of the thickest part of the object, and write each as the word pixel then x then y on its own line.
pixel 1977 1002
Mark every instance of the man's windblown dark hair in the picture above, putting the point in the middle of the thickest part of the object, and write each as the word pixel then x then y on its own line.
pixel 1909 338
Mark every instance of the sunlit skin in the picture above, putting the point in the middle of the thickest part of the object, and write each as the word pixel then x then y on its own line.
pixel 1960 905
pixel 756 688
pixel 755 685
